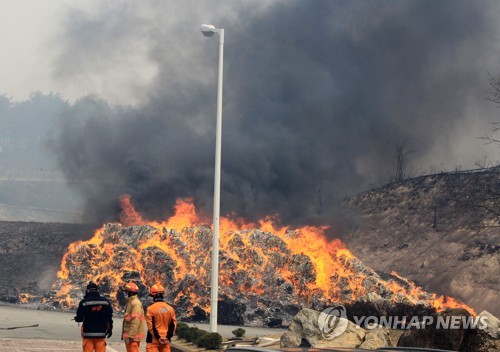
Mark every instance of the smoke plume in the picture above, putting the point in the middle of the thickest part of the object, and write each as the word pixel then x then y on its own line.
pixel 317 94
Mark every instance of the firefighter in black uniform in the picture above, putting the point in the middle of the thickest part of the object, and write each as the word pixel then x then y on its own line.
pixel 96 314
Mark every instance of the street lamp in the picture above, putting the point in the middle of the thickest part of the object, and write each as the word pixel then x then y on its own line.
pixel 209 30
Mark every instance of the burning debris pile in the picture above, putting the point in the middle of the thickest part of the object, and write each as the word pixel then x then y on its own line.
pixel 267 273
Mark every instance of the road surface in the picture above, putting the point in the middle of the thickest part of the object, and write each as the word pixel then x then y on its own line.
pixel 17 326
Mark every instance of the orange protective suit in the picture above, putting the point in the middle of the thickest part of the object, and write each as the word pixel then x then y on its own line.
pixel 134 324
pixel 91 345
pixel 161 322
pixel 132 346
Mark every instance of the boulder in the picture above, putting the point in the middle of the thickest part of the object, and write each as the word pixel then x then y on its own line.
pixel 432 337
pixel 493 324
pixel 352 337
pixel 480 341
pixel 459 339
pixel 376 338
pixel 304 331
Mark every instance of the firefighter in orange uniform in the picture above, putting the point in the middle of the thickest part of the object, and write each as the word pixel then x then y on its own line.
pixel 134 323
pixel 161 321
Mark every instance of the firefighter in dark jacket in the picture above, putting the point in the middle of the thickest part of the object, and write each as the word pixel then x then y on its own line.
pixel 161 321
pixel 96 314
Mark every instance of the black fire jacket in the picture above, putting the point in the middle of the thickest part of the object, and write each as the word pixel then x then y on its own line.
pixel 96 314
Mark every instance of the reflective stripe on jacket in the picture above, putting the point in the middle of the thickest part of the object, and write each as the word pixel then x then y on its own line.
pixel 134 323
pixel 161 321
pixel 96 314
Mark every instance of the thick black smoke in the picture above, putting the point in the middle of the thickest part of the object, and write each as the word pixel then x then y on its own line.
pixel 317 94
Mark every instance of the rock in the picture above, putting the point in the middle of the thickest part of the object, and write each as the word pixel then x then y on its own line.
pixel 493 324
pixel 480 341
pixel 376 338
pixel 394 336
pixel 352 337
pixel 304 328
pixel 433 336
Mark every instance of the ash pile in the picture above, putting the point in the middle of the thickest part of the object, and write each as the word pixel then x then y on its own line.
pixel 265 278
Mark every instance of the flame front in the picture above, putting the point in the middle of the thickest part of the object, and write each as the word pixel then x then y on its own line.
pixel 298 265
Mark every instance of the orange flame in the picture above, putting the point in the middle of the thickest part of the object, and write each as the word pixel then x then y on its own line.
pixel 129 216
pixel 330 266
pixel 439 302
pixel 24 297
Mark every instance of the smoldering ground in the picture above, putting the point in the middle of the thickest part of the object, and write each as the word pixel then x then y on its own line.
pixel 317 94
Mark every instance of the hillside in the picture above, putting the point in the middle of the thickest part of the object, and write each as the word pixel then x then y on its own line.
pixel 31 253
pixel 442 231
pixel 439 230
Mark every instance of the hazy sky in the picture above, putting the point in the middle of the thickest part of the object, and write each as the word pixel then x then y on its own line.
pixel 34 35
pixel 317 95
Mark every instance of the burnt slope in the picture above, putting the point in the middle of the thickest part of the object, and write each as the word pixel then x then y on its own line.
pixel 31 253
pixel 440 230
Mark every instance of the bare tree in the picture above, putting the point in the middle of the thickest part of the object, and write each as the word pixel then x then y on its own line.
pixel 482 199
pixel 494 92
pixel 494 97
pixel 400 160
pixel 484 163
pixel 476 194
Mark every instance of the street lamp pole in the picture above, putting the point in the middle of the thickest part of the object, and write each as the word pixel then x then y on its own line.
pixel 208 31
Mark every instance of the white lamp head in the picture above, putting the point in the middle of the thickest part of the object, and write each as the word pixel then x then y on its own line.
pixel 208 30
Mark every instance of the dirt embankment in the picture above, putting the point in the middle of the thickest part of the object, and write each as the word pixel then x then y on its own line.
pixel 442 231
pixel 31 253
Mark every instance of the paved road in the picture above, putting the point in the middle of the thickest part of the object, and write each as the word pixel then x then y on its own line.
pixel 55 331
pixel 52 325
pixel 26 345
pixel 65 333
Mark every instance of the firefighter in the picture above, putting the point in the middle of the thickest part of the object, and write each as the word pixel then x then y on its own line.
pixel 161 321
pixel 134 323
pixel 96 314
